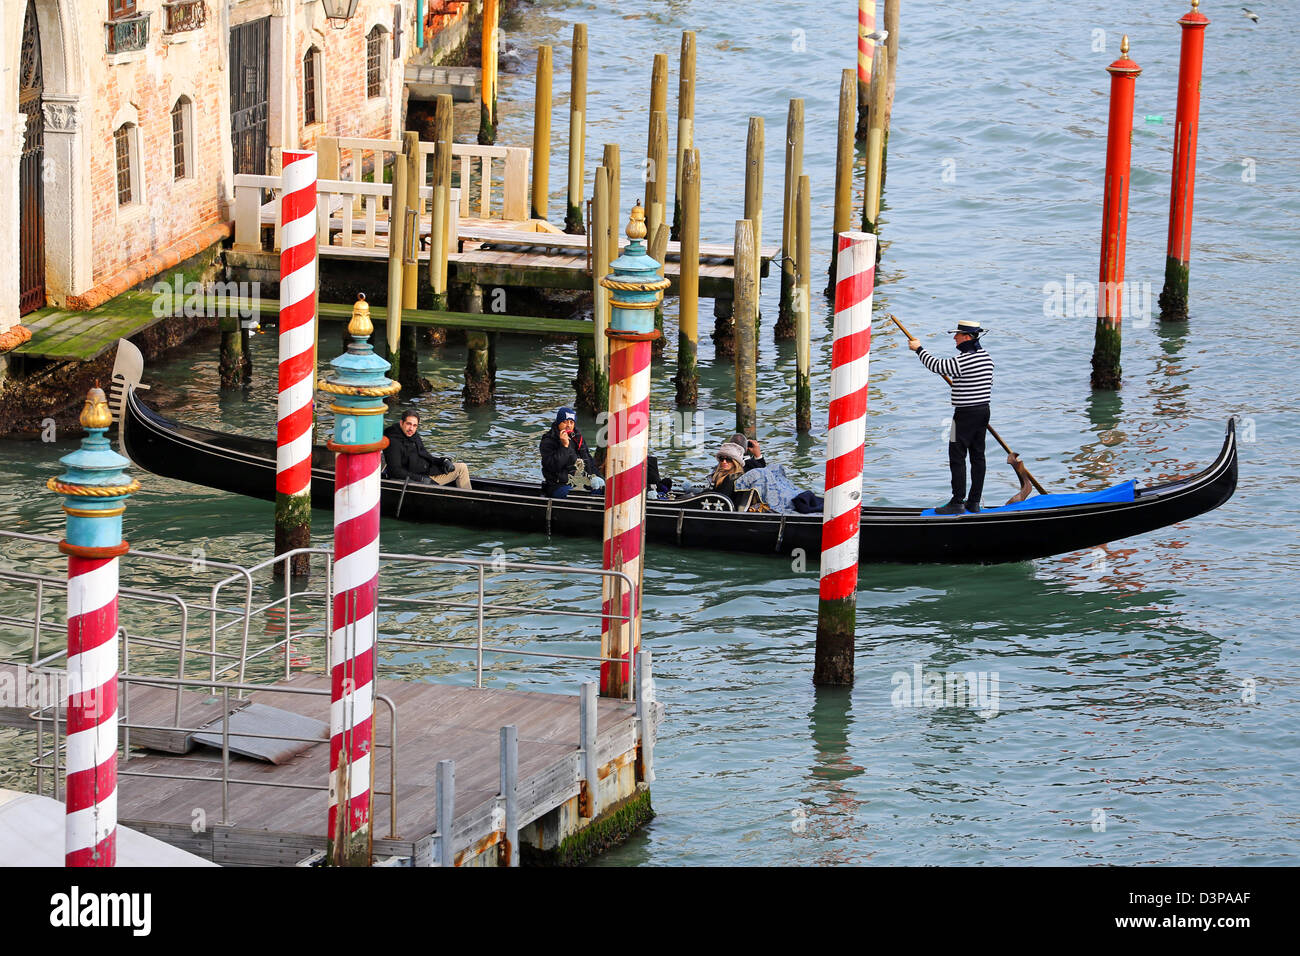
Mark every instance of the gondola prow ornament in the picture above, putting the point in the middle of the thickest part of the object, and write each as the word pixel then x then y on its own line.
pixel 356 390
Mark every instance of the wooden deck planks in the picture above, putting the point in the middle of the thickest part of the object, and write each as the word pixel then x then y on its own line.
pixel 435 722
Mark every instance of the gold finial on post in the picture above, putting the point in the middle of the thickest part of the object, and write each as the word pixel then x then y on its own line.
pixel 1196 4
pixel 636 223
pixel 1123 45
pixel 360 326
pixel 95 413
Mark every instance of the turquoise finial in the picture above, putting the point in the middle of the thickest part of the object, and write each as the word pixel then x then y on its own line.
pixel 359 386
pixel 635 285
pixel 95 484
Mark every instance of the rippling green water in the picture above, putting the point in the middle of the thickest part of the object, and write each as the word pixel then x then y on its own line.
pixel 1145 696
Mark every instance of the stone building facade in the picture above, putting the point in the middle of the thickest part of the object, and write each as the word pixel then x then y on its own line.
pixel 122 123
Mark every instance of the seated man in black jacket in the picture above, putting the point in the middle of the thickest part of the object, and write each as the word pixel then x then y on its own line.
pixel 562 448
pixel 406 458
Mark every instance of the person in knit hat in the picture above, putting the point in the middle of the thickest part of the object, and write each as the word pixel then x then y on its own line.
pixel 731 465
pixel 753 452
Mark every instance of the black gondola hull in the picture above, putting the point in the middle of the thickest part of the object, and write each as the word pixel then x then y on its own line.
pixel 246 466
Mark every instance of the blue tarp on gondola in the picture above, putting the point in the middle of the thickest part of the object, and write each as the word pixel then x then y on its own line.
pixel 1115 494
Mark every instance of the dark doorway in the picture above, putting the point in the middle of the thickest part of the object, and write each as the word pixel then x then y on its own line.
pixel 31 195
pixel 249 58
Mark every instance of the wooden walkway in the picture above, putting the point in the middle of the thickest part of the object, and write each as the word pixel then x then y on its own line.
pixel 83 336
pixel 285 823
pixel 426 82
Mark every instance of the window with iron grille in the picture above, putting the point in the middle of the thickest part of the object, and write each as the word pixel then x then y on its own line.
pixel 180 137
pixel 122 149
pixel 120 8
pixel 375 62
pixel 183 15
pixel 310 113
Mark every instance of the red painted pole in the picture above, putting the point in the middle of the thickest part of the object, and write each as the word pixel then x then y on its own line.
pixel 1173 299
pixel 1114 222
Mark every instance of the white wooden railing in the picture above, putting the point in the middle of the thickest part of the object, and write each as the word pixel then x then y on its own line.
pixel 351 217
pixel 481 173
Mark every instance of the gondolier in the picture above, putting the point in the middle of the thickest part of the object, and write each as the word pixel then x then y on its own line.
pixel 971 371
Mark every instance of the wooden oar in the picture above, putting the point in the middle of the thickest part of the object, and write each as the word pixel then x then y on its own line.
pixel 992 431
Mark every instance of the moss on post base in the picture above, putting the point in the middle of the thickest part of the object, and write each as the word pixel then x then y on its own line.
pixel 293 530
pixel 246 367
pixel 724 328
pixel 657 346
pixel 478 374
pixel 802 403
pixel 408 363
pixel 687 378
pixel 1105 356
pixel 833 662
pixel 573 222
pixel 1173 299
pixel 784 328
pixel 601 389
pixel 487 127
pixel 584 385
pixel 610 829
pixel 231 365
pixel 675 231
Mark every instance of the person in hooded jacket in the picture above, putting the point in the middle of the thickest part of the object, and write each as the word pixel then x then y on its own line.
pixel 406 458
pixel 562 447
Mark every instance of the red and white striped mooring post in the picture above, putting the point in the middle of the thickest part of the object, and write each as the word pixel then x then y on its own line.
pixel 297 359
pixel 636 288
pixel 95 489
pixel 855 271
pixel 356 389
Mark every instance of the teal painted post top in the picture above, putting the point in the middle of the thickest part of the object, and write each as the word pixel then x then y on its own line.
pixel 635 285
pixel 95 485
pixel 419 24
pixel 358 387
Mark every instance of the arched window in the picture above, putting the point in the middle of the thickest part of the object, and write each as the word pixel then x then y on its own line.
pixel 375 61
pixel 126 164
pixel 312 86
pixel 183 139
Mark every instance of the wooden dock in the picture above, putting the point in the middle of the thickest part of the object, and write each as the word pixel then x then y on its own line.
pixel 427 82
pixel 67 336
pixel 474 321
pixel 279 818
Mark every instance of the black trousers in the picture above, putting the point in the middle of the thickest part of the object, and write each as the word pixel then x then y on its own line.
pixel 970 423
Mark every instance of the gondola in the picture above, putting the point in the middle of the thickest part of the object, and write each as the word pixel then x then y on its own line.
pixel 246 466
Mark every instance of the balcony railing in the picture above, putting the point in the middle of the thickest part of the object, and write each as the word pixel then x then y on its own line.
pixel 185 15
pixel 128 34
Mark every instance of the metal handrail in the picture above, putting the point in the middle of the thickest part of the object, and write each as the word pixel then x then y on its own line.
pixel 225 779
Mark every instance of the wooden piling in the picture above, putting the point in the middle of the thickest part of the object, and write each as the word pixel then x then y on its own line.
pixel 487 125
pixel 1173 297
pixel 746 306
pixel 866 56
pixel 658 250
pixel 600 260
pixel 875 151
pixel 724 326
pixel 802 301
pixel 542 134
pixel 230 367
pixel 685 124
pixel 843 166
pixel 442 119
pixel 1114 225
pixel 613 172
pixel 656 172
pixel 785 322
pixel 891 50
pixel 688 284
pixel 577 129
pixel 754 146
pixel 396 236
pixel 414 181
pixel 478 363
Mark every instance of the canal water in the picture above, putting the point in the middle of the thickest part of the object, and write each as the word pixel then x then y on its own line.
pixel 1135 703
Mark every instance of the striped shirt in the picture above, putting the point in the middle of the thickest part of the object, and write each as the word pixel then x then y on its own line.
pixel 971 373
